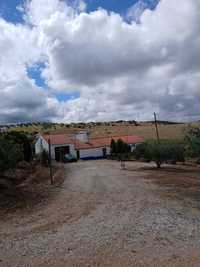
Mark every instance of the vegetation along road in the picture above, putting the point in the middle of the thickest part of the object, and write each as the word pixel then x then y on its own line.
pixel 104 216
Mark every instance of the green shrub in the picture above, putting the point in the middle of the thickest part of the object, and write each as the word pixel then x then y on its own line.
pixel 10 154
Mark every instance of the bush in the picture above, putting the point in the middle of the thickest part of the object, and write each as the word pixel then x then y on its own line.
pixel 10 154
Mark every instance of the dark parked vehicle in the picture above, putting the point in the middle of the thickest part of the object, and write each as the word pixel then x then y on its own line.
pixel 69 158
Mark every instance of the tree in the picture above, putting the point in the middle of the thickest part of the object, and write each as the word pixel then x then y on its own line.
pixel 113 147
pixel 119 148
pixel 10 154
pixel 192 139
pixel 122 148
pixel 139 151
pixel 164 151
pixel 23 141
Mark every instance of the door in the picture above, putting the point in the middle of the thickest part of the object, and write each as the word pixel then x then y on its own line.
pixel 57 153
pixel 78 154
pixel 60 152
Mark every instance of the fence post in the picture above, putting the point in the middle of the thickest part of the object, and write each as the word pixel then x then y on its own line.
pixel 50 162
pixel 156 125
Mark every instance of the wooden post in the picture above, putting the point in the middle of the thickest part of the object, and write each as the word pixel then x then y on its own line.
pixel 156 126
pixel 158 138
pixel 50 162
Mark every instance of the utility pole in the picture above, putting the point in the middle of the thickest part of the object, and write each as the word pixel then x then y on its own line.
pixel 50 162
pixel 156 126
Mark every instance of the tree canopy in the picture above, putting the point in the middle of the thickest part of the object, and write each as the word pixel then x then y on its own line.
pixel 119 148
pixel 192 139
pixel 23 141
pixel 10 154
pixel 164 151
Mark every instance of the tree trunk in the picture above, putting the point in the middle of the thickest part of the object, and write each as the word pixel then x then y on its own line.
pixel 158 163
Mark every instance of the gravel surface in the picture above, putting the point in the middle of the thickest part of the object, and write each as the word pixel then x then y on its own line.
pixel 103 216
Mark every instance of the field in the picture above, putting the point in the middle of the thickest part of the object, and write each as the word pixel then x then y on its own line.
pixel 145 130
pixel 103 216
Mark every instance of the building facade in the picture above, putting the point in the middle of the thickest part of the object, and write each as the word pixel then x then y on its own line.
pixel 80 145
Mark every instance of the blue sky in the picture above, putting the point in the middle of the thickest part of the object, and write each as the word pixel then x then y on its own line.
pixel 10 13
pixel 119 6
pixel 35 73
pixel 111 5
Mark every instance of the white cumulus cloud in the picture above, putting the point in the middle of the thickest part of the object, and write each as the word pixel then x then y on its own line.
pixel 122 70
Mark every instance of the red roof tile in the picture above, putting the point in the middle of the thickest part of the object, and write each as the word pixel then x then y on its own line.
pixel 105 141
pixel 61 139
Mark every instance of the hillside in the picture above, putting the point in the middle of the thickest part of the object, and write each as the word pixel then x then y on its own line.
pixel 144 129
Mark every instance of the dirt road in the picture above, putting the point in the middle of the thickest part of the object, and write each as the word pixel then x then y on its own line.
pixel 103 216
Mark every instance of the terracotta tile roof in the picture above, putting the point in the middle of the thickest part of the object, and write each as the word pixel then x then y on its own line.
pixel 105 141
pixel 59 139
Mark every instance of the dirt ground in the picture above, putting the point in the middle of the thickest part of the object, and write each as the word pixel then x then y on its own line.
pixel 104 216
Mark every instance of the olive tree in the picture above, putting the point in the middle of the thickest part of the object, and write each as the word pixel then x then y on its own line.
pixel 161 152
pixel 192 139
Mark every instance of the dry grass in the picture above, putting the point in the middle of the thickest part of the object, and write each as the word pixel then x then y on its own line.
pixel 180 182
pixel 145 130
pixel 34 188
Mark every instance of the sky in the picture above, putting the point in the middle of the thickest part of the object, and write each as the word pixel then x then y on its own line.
pixel 99 60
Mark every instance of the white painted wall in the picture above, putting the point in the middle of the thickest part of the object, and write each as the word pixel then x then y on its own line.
pixel 108 150
pixel 133 146
pixel 82 136
pixel 94 152
pixel 41 145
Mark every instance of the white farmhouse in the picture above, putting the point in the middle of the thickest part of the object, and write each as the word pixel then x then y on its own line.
pixel 80 145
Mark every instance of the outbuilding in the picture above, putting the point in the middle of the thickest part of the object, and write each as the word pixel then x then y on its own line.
pixel 60 145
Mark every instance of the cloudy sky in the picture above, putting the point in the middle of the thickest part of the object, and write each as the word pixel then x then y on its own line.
pixel 99 60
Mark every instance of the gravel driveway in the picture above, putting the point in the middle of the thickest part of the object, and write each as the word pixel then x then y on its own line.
pixel 103 216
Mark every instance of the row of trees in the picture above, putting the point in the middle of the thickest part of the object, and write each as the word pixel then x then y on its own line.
pixel 163 151
pixel 119 148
